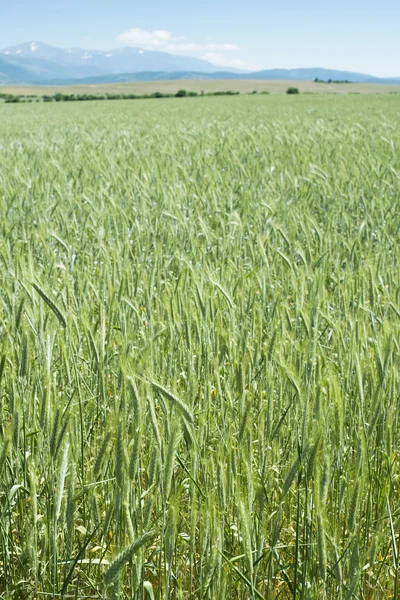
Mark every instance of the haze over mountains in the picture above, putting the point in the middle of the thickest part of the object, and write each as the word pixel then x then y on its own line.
pixel 37 63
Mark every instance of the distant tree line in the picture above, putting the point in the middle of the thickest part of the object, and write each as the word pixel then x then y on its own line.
pixel 13 98
pixel 318 80
pixel 61 97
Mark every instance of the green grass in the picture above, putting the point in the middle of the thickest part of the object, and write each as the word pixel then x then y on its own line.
pixel 199 369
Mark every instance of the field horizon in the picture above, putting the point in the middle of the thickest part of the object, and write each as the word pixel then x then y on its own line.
pixel 243 86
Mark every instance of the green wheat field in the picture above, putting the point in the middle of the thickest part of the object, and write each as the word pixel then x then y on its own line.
pixel 199 349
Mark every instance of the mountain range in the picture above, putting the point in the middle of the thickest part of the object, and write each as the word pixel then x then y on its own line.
pixel 37 63
pixel 34 62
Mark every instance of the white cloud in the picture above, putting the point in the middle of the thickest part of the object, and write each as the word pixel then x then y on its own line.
pixel 151 40
pixel 222 47
pixel 217 58
pixel 164 40
pixel 192 47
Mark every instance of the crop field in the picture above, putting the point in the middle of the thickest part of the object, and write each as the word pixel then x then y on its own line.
pixel 199 349
pixel 243 86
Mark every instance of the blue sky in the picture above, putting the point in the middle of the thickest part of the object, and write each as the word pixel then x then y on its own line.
pixel 358 35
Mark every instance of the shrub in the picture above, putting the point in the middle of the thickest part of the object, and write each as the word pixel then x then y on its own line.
pixel 227 93
pixel 181 94
pixel 293 90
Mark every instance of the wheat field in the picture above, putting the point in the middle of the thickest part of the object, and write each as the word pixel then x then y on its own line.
pixel 199 366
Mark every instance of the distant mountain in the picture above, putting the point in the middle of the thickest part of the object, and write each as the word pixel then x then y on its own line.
pixel 384 80
pixel 272 75
pixel 37 63
pixel 10 72
pixel 322 74
pixel 146 76
pixel 46 63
